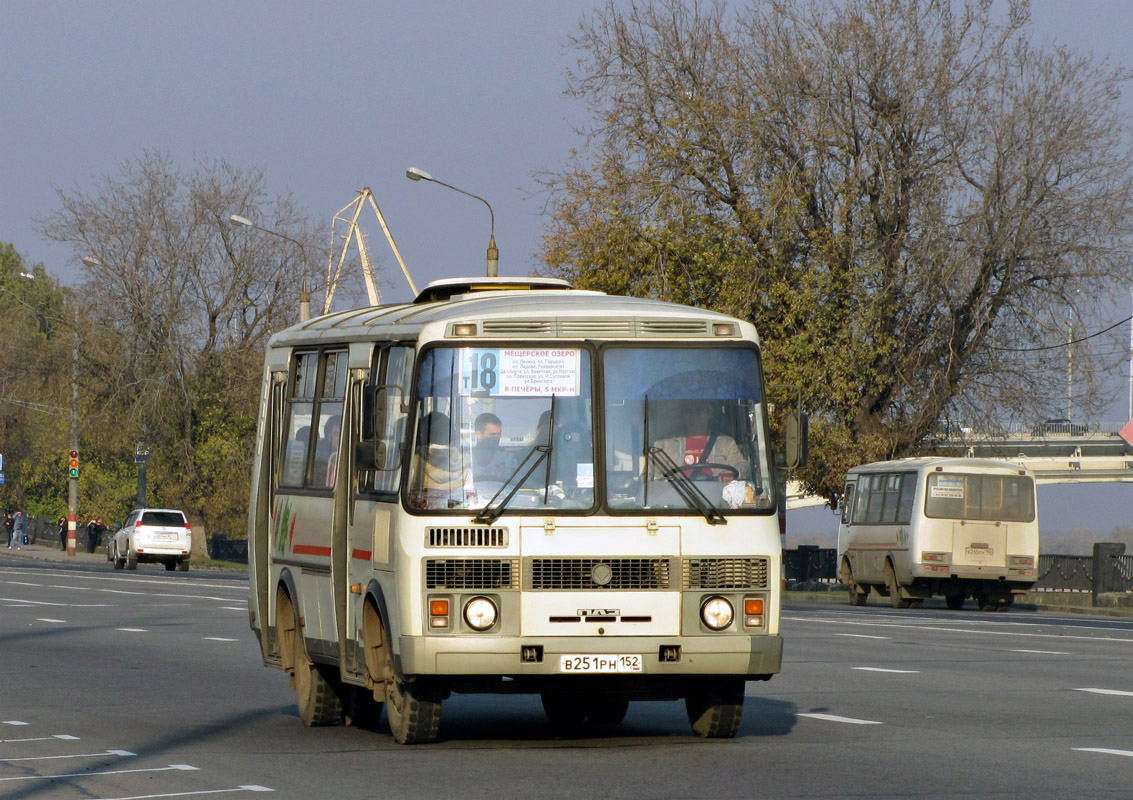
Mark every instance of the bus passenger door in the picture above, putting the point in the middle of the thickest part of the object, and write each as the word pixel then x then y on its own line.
pixel 372 519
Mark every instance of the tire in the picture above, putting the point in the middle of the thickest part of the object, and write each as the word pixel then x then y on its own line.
pixel 131 559
pixel 318 702
pixel 183 566
pixel 606 710
pixel 413 711
pixel 954 601
pixel 118 562
pixel 858 593
pixel 563 710
pixel 716 709
pixel 170 566
pixel 894 588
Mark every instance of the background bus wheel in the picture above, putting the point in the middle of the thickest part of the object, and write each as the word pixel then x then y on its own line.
pixel 894 588
pixel 606 710
pixel 954 601
pixel 716 709
pixel 986 602
pixel 414 712
pixel 858 594
pixel 562 710
pixel 318 703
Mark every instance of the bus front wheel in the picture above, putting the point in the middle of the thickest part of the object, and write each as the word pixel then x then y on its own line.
pixel 413 711
pixel 716 709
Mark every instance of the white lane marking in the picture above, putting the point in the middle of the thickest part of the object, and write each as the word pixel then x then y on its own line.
pixel 109 772
pixel 252 788
pixel 26 602
pixel 219 639
pixel 132 630
pixel 234 608
pixel 49 619
pixel 15 722
pixel 882 669
pixel 40 738
pixel 23 583
pixel 75 755
pixel 1043 652
pixel 862 636
pixel 836 718
pixel 1118 692
pixel 1105 750
pixel 933 629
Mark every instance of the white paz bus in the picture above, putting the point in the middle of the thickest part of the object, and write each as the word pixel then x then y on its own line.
pixel 511 486
pixel 957 527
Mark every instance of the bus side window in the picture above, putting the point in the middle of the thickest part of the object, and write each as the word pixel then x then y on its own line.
pixel 397 370
pixel 847 502
pixel 300 400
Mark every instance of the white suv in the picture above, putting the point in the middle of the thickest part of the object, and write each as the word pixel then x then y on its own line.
pixel 153 535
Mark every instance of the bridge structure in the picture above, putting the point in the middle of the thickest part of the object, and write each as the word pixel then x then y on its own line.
pixel 1056 452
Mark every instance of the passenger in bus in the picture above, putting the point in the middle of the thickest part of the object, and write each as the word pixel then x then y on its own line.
pixel 704 443
pixel 489 462
pixel 438 467
pixel 333 431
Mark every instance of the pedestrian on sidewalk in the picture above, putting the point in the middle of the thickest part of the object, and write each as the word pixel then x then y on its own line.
pixel 8 522
pixel 62 533
pixel 94 533
pixel 19 528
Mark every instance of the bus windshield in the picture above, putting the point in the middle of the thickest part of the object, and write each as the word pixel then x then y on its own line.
pixel 491 420
pixel 683 426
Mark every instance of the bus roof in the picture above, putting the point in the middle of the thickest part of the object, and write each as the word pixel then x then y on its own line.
pixel 518 309
pixel 944 463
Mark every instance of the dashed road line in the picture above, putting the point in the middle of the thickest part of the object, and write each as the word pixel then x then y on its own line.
pixel 1043 652
pixel 1106 750
pixel 132 630
pixel 219 639
pixel 882 669
pixel 49 619
pixel 14 722
pixel 1118 692
pixel 836 718
pixel 862 636
pixel 41 738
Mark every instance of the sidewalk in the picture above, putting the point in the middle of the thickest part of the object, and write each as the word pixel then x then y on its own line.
pixel 42 552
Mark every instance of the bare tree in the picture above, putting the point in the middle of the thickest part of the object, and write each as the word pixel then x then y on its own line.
pixel 907 197
pixel 179 306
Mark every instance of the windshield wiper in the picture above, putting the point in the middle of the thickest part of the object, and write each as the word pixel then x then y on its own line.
pixel 688 490
pixel 487 514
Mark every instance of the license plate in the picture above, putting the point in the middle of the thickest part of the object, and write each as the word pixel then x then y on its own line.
pixel 983 552
pixel 165 537
pixel 603 663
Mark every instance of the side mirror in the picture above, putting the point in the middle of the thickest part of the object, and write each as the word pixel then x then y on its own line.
pixel 798 429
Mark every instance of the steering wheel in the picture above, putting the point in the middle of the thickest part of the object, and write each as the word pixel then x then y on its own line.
pixel 690 469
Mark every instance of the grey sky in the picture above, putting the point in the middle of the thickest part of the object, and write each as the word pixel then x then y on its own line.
pixel 333 97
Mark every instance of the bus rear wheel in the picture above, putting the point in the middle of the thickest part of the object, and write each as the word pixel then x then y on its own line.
pixel 716 709
pixel 954 601
pixel 895 598
pixel 606 710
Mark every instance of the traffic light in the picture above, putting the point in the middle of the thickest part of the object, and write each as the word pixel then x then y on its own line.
pixel 73 464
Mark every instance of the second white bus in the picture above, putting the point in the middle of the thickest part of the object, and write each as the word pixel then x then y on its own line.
pixel 958 527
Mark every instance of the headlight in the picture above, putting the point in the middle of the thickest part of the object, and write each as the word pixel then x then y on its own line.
pixel 480 613
pixel 717 613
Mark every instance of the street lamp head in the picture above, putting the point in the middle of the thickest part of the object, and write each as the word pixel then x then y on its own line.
pixel 236 219
pixel 415 174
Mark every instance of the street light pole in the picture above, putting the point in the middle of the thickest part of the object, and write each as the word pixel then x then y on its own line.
pixel 415 174
pixel 304 294
pixel 73 480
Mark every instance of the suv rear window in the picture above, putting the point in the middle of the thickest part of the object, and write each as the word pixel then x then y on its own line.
pixel 163 518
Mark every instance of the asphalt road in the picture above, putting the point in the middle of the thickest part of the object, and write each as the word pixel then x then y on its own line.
pixel 148 684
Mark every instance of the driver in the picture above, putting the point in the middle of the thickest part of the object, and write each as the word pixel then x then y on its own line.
pixel 704 444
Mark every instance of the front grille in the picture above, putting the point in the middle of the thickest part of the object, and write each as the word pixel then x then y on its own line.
pixel 521 327
pixel 471 573
pixel 724 573
pixel 673 327
pixel 596 574
pixel 595 327
pixel 466 537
